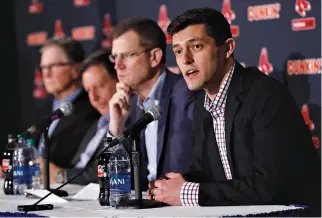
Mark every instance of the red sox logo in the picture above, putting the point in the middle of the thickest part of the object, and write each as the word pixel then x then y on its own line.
pixel 264 65
pixel 164 22
pixel 304 23
pixel 230 16
pixel 309 122
pixel 58 29
pixel 39 89
pixel 35 7
pixel 107 31
pixel 302 6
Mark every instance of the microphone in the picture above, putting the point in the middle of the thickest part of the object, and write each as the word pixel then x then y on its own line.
pixel 152 114
pixel 65 109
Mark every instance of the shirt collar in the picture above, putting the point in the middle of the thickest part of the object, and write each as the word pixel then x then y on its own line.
pixel 219 101
pixel 103 121
pixel 70 98
pixel 155 94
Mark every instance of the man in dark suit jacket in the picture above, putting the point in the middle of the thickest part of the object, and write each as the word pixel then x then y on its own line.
pixel 251 142
pixel 99 80
pixel 139 54
pixel 60 59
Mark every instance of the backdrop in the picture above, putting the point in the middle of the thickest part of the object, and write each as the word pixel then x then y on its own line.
pixel 281 38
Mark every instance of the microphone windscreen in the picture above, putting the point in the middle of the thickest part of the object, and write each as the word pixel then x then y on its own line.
pixel 66 108
pixel 155 111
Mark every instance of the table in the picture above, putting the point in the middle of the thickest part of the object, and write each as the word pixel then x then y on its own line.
pixel 9 203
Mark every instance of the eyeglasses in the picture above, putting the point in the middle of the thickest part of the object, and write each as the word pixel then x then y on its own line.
pixel 126 56
pixel 53 67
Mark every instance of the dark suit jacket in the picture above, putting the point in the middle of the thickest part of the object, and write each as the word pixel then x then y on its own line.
pixel 174 142
pixel 90 175
pixel 269 147
pixel 70 130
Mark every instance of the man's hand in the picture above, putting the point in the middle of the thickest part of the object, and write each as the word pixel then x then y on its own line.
pixel 167 190
pixel 119 108
pixel 53 170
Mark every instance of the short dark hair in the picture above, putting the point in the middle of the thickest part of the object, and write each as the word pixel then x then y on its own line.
pixel 215 23
pixel 97 58
pixel 151 35
pixel 72 48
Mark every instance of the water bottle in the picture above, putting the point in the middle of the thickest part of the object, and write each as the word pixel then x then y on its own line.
pixel 7 165
pixel 20 163
pixel 34 164
pixel 120 176
pixel 104 178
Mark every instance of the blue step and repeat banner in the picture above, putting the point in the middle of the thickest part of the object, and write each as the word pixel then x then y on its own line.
pixel 281 38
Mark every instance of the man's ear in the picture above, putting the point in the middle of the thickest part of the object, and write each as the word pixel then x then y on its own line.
pixel 156 55
pixel 229 47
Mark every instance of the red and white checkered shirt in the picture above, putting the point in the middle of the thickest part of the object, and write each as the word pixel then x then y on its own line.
pixel 189 190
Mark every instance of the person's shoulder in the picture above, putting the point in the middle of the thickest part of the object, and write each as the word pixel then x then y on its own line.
pixel 179 84
pixel 262 82
pixel 262 88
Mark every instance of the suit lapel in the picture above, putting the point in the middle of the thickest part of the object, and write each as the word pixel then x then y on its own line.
pixel 165 103
pixel 231 108
pixel 65 122
pixel 83 145
pixel 209 152
pixel 234 98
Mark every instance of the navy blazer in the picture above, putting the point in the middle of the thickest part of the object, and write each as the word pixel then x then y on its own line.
pixel 269 148
pixel 174 146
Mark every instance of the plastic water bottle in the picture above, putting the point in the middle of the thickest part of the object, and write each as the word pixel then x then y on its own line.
pixel 7 165
pixel 21 171
pixel 34 165
pixel 120 176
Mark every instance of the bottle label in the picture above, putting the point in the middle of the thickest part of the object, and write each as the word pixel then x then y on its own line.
pixel 35 172
pixel 21 175
pixel 5 164
pixel 120 183
pixel 101 172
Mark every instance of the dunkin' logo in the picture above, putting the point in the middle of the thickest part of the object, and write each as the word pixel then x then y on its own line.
pixel 83 33
pixel 309 66
pixel 230 16
pixel 304 23
pixel 264 12
pixel 81 3
pixel 264 65
pixel 37 38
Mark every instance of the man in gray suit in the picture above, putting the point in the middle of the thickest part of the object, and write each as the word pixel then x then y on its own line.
pixel 99 80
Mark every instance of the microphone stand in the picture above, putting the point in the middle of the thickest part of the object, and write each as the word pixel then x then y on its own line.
pixel 138 202
pixel 60 193
pixel 34 206
pixel 46 160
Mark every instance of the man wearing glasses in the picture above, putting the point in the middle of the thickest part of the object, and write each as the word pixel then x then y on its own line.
pixel 138 51
pixel 60 60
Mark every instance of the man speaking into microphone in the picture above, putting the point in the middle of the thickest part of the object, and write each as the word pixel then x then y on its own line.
pixel 138 51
